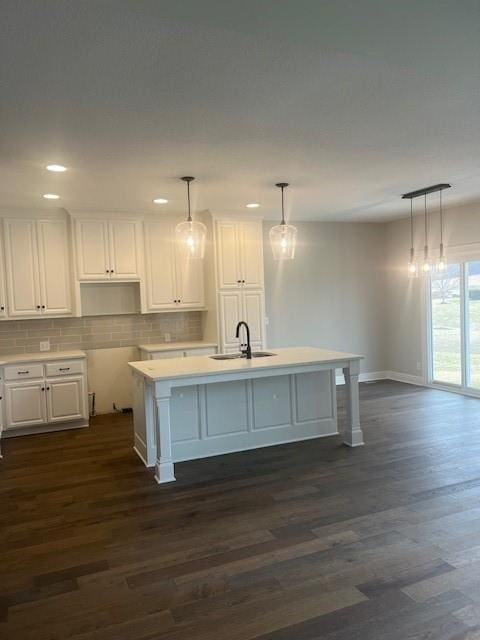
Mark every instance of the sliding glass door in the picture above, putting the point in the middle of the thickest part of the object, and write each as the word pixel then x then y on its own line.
pixel 454 331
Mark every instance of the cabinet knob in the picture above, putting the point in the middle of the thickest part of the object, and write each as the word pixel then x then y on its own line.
pixel 107 270
pixel 43 306
pixel 48 388
pixel 2 308
pixel 111 270
pixel 43 388
pixel 238 281
pixel 38 306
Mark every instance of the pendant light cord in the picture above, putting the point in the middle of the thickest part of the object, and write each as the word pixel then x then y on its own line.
pixel 441 226
pixel 426 229
pixel 411 224
pixel 189 219
pixel 283 211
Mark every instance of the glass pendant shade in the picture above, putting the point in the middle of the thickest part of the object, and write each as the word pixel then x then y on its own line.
pixel 283 236
pixel 191 234
pixel 412 265
pixel 426 266
pixel 283 239
pixel 191 238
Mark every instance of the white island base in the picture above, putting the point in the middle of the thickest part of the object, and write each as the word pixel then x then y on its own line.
pixel 187 408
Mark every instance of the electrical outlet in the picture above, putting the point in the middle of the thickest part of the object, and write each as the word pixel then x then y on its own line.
pixel 267 321
pixel 167 337
pixel 45 345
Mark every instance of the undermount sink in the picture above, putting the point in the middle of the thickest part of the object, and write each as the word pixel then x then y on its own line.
pixel 236 356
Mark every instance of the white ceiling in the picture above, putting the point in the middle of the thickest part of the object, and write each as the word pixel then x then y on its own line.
pixel 352 102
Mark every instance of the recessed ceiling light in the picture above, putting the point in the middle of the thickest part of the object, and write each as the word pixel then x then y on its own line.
pixel 252 205
pixel 51 196
pixel 160 200
pixel 57 168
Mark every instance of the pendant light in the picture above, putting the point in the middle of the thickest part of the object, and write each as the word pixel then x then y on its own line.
pixel 412 263
pixel 426 264
pixel 191 234
pixel 283 236
pixel 441 262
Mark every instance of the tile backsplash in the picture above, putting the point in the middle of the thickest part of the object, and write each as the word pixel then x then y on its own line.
pixel 98 332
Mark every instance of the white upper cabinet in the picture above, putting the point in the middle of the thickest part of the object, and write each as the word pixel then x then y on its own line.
pixel 54 267
pixel 21 259
pixel 239 255
pixel 92 249
pixel 37 268
pixel 250 240
pixel 3 293
pixel 108 250
pixel 160 265
pixel 124 239
pixel 172 281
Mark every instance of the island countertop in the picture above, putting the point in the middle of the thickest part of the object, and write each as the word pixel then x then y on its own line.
pixel 175 368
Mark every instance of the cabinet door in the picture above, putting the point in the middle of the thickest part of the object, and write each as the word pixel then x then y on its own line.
pixel 160 265
pixel 25 404
pixel 3 293
pixel 54 271
pixel 124 236
pixel 189 278
pixel 92 250
pixel 251 254
pixel 230 307
pixel 228 258
pixel 22 268
pixel 66 399
pixel 253 314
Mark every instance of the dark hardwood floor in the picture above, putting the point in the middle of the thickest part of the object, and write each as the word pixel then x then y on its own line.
pixel 298 542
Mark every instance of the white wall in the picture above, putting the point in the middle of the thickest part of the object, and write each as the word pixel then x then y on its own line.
pixel 405 317
pixel 109 376
pixel 334 293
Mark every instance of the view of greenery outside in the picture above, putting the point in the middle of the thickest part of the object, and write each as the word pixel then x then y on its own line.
pixel 446 332
pixel 446 329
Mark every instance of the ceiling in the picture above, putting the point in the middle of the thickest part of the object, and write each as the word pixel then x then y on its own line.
pixel 352 102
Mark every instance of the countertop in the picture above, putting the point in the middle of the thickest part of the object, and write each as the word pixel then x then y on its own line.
pixel 41 356
pixel 173 346
pixel 174 368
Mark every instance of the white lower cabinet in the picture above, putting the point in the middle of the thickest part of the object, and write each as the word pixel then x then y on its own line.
pixel 33 399
pixel 65 399
pixel 235 306
pixel 25 404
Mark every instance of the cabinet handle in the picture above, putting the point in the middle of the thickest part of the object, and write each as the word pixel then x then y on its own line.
pixel 48 388
pixel 2 308
pixel 64 369
pixel 22 372
pixel 43 388
pixel 239 281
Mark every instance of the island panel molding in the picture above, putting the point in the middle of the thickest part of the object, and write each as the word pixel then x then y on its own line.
pixel 222 406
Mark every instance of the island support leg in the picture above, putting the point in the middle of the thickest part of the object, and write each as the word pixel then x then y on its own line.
pixel 353 435
pixel 164 469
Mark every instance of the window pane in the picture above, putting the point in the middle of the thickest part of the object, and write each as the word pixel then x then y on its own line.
pixel 446 323
pixel 473 357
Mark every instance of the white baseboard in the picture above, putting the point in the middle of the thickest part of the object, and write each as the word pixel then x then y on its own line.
pixel 384 375
pixel 406 377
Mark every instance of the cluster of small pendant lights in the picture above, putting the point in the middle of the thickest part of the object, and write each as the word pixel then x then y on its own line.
pixel 191 234
pixel 426 265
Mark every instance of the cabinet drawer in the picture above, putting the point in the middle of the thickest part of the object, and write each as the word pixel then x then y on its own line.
pixel 64 368
pixel 23 371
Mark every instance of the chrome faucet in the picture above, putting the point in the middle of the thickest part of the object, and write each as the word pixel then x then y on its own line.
pixel 248 351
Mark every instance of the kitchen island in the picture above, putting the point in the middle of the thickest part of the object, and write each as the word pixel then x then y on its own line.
pixel 187 408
